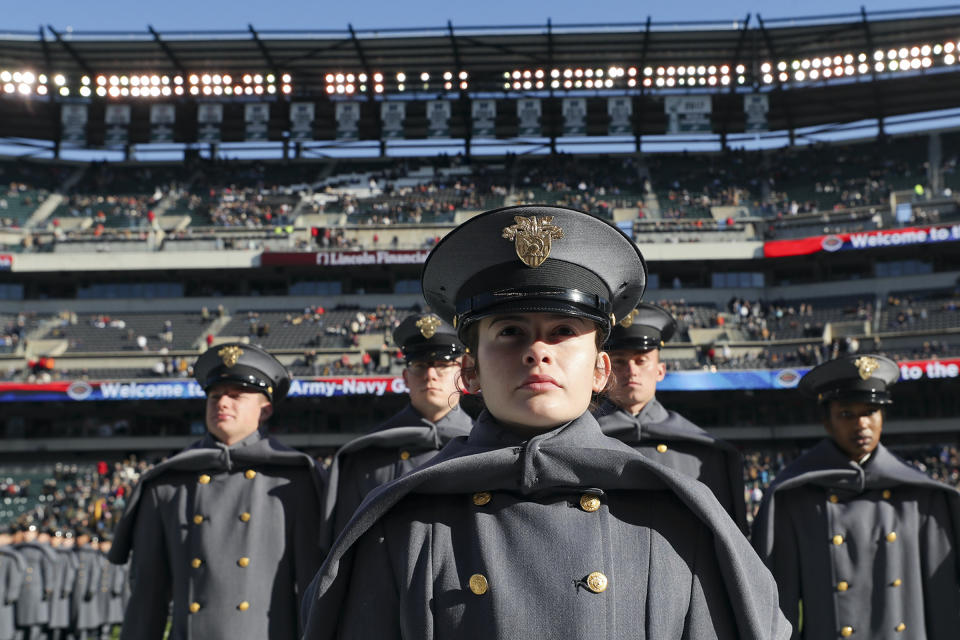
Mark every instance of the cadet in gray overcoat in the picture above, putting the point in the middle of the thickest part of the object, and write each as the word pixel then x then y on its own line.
pixel 112 587
pixel 537 525
pixel 33 606
pixel 12 571
pixel 85 604
pixel 432 418
pixel 633 414
pixel 231 528
pixel 865 544
pixel 66 575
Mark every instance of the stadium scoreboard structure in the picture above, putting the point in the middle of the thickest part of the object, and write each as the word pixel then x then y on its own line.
pixel 476 85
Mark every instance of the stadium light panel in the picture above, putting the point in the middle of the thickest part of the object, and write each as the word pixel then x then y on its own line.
pixel 464 75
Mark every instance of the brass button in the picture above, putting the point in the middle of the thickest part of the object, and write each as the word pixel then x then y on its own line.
pixel 834 499
pixel 204 479
pixel 196 562
pixel 250 474
pixel 662 448
pixel 404 455
pixel 479 584
pixel 896 583
pixel 243 606
pixel 846 632
pixel 245 517
pixel 597 582
pixel 589 502
pixel 244 562
pixel 481 498
pixel 892 536
pixel 838 539
pixel 194 607
pixel 886 494
pixel 900 627
pixel 198 519
pixel 843 585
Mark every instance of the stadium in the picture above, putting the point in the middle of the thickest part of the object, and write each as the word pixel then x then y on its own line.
pixel 791 183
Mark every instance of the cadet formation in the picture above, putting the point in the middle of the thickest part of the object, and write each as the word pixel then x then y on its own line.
pixel 547 515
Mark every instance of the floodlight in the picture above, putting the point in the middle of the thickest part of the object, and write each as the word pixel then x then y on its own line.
pixel 765 67
pixel 178 90
pixel 401 77
pixel 401 87
pixel 287 89
pixel 464 84
pixel 271 78
pixel 464 75
pixel 949 59
pixel 814 74
pixel 286 78
pixel 378 77
pixel 85 92
pixel 101 91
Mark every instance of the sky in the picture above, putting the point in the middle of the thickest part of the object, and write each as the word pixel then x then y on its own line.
pixel 133 15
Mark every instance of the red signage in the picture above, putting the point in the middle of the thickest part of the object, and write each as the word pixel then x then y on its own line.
pixel 884 238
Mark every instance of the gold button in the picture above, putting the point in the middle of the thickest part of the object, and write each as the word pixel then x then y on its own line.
pixel 892 536
pixel 481 498
pixel 404 455
pixel 194 607
pixel 843 585
pixel 896 583
pixel 662 448
pixel 198 519
pixel 245 517
pixel 834 499
pixel 244 562
pixel 196 562
pixel 838 539
pixel 846 632
pixel 250 474
pixel 589 502
pixel 243 606
pixel 900 627
pixel 204 479
pixel 886 494
pixel 597 582
pixel 479 584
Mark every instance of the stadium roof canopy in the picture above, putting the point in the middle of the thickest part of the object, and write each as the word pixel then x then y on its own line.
pixel 813 71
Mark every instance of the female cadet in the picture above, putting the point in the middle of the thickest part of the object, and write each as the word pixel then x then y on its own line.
pixel 536 524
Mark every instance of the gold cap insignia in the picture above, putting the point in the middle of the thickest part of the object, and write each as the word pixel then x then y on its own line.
pixel 629 318
pixel 533 238
pixel 428 326
pixel 230 355
pixel 866 365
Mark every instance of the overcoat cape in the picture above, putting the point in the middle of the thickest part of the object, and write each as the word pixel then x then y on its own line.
pixel 576 455
pixel 655 424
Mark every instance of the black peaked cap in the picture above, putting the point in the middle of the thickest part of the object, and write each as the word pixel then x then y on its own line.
pixel 245 365
pixel 646 327
pixel 858 377
pixel 424 336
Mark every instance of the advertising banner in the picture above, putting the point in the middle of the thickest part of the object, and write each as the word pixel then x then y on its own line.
pixel 884 238
pixel 438 119
pixel 620 110
pixel 392 114
pixel 301 121
pixel 484 113
pixel 574 116
pixel 329 387
pixel 256 116
pixel 688 114
pixel 209 119
pixel 528 114
pixel 755 108
pixel 73 118
pixel 344 258
pixel 348 120
pixel 162 119
pixel 117 119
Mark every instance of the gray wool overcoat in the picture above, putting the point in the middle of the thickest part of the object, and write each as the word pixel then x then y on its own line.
pixel 671 439
pixel 232 535
pixel 569 534
pixel 12 570
pixel 870 550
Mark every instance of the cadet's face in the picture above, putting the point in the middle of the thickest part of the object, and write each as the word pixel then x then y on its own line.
pixel 636 374
pixel 234 412
pixel 537 370
pixel 433 385
pixel 855 427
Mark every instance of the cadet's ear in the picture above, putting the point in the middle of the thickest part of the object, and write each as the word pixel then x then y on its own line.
pixel 602 371
pixel 470 374
pixel 266 411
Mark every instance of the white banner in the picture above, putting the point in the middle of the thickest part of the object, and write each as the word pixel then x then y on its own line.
pixel 574 116
pixel 257 118
pixel 162 119
pixel 438 119
pixel 528 115
pixel 392 115
pixel 301 121
pixel 117 119
pixel 688 114
pixel 73 117
pixel 620 109
pixel 756 106
pixel 484 114
pixel 348 120
pixel 209 117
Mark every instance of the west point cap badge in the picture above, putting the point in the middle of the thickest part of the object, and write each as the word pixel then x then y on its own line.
pixel 428 326
pixel 533 238
pixel 629 318
pixel 230 355
pixel 866 365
